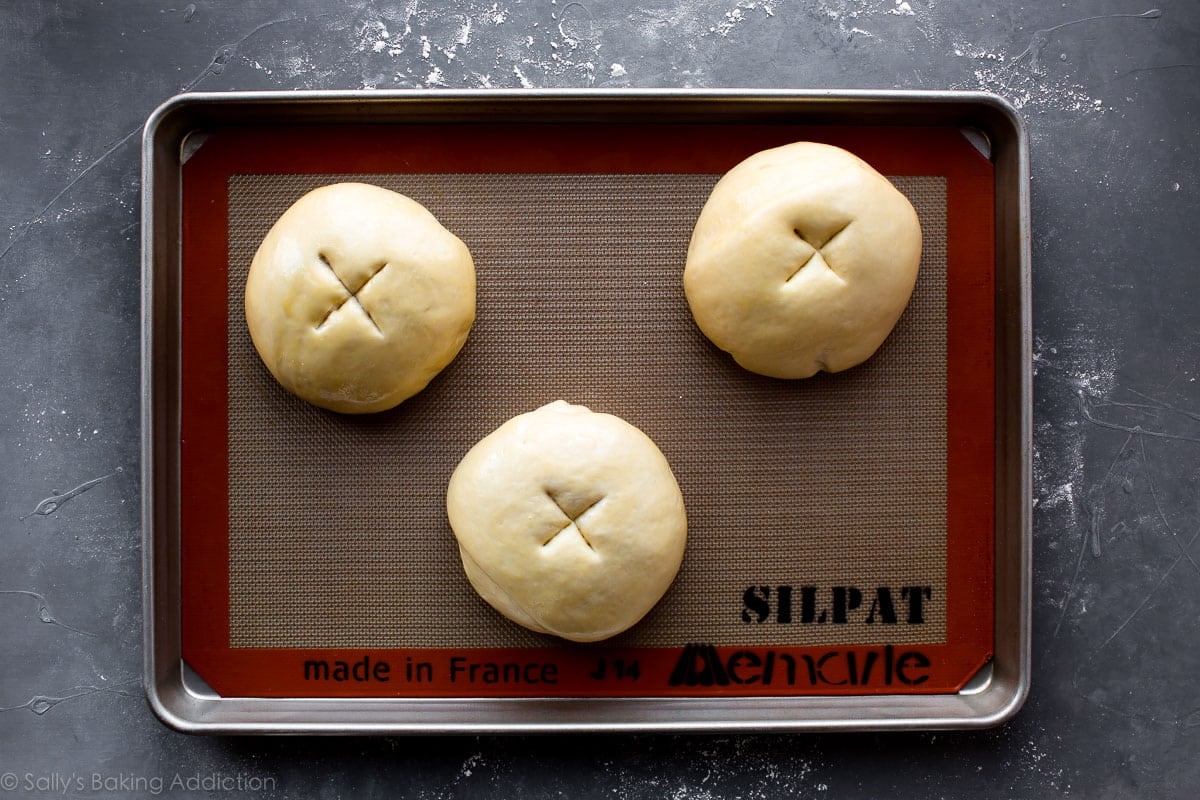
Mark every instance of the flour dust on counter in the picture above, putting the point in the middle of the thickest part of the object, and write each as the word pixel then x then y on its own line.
pixel 514 45
pixel 1059 459
pixel 1038 77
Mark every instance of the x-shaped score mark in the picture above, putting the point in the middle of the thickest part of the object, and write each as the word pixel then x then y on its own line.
pixel 351 294
pixel 817 244
pixel 573 512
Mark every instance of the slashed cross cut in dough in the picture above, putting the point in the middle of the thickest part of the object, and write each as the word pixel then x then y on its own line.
pixel 574 507
pixel 816 243
pixel 351 295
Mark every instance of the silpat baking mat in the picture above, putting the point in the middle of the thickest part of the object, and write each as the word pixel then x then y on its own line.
pixel 818 510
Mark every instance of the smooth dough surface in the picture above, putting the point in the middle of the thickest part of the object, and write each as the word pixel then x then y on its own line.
pixel 803 259
pixel 358 297
pixel 569 522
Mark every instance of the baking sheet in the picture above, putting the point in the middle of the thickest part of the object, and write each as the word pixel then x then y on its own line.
pixel 706 711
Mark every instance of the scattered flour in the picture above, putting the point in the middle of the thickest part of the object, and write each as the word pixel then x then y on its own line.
pixel 497 15
pixel 1057 496
pixel 967 50
pixel 739 14
pixel 1032 89
pixel 432 43
pixel 470 763
pixel 561 44
pixel 525 82
pixel 1026 81
pixel 1088 374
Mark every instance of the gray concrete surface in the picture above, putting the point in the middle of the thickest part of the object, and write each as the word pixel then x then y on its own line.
pixel 1111 93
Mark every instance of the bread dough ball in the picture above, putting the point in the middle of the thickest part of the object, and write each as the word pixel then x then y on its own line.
pixel 569 522
pixel 358 296
pixel 803 259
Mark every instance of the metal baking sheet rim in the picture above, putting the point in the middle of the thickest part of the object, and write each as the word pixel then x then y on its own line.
pixel 182 702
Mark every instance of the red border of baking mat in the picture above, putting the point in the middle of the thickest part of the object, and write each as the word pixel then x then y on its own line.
pixel 694 670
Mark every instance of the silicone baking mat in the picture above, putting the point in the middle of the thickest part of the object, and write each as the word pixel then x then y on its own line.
pixel 827 550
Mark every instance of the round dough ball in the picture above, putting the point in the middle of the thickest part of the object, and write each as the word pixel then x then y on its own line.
pixel 357 297
pixel 803 259
pixel 569 522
